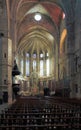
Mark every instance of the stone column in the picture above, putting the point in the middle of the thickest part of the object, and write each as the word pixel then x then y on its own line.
pixel 9 70
pixel 1 92
pixel 78 43
pixel 6 69
pixel 56 62
pixel 70 55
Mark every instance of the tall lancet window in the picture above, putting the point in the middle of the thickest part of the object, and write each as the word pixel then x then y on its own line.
pixel 47 64
pixel 34 65
pixel 27 64
pixel 41 64
pixel 34 62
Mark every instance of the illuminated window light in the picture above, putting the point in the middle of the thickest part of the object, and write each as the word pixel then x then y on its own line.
pixel 41 67
pixel 63 16
pixel 37 17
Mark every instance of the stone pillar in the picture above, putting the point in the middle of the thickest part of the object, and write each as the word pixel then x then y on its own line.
pixel 78 43
pixel 9 70
pixel 6 69
pixel 1 92
pixel 56 62
pixel 52 67
pixel 70 55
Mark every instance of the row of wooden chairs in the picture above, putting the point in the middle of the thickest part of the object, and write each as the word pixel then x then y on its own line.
pixel 43 113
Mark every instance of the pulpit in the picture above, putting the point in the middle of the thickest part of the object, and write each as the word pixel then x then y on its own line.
pixel 15 86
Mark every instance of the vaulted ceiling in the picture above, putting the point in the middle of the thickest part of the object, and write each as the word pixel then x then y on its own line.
pixel 26 30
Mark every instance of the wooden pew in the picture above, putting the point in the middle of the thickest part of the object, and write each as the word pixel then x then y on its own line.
pixel 46 113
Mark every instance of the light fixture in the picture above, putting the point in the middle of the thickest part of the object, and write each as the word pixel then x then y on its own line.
pixel 37 17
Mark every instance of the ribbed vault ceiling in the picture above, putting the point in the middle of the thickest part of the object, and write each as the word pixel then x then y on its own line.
pixel 39 40
pixel 31 35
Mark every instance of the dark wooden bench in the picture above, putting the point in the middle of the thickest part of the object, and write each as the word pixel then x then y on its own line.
pixel 46 113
